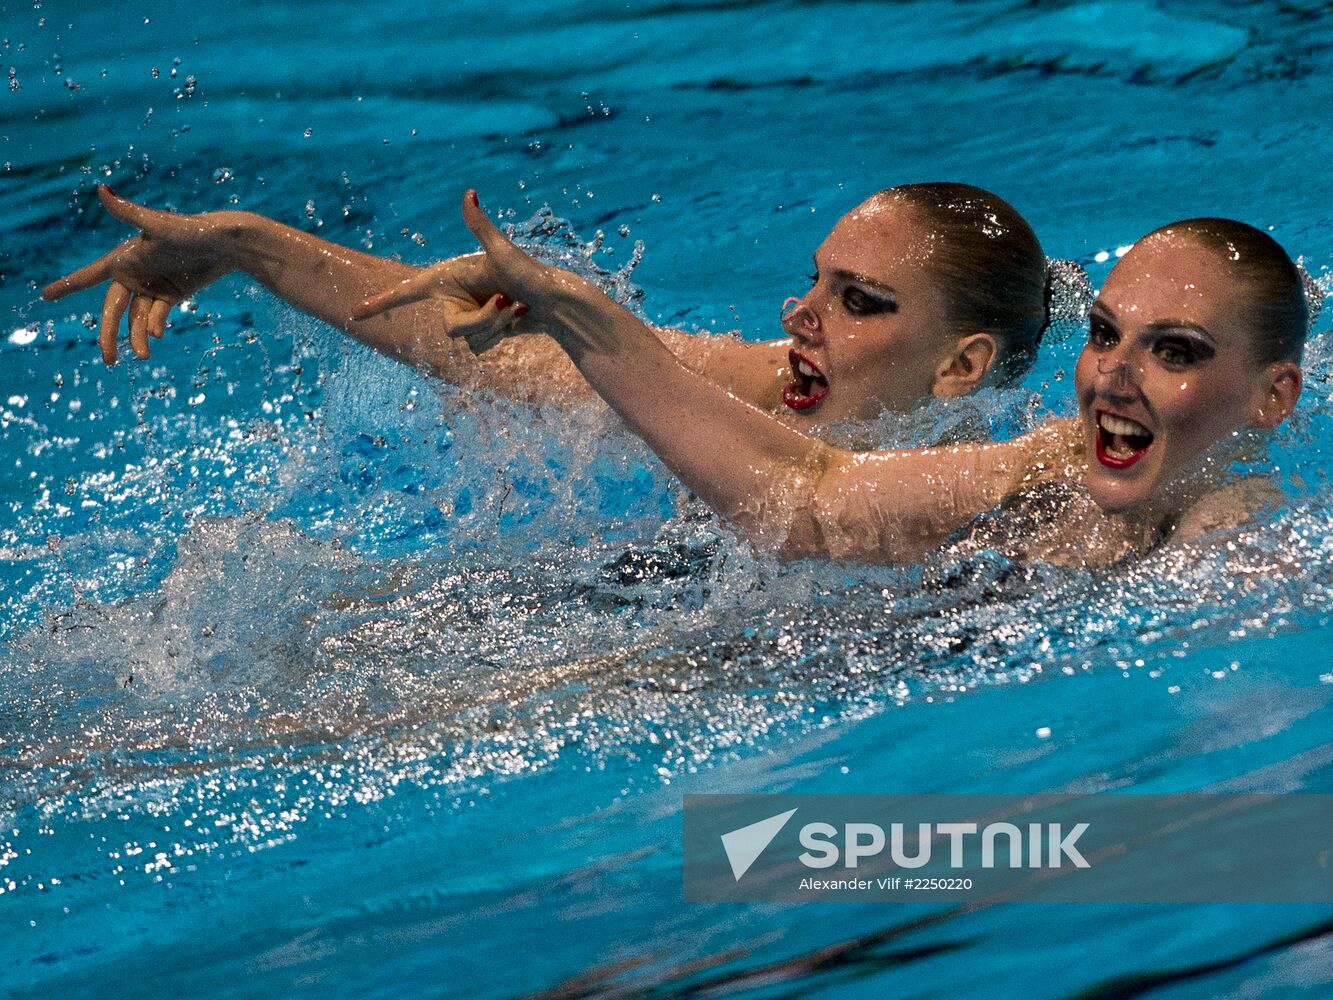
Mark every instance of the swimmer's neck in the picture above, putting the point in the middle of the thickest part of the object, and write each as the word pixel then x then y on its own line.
pixel 1175 507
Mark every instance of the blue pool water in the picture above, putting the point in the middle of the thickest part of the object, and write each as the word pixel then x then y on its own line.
pixel 319 679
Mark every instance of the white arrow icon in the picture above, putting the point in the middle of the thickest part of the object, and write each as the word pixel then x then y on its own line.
pixel 744 846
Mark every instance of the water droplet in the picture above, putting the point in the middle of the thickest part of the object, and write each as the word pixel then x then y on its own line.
pixel 222 174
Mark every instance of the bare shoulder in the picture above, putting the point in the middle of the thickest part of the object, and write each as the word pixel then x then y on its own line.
pixel 754 371
pixel 1054 451
pixel 533 366
pixel 1225 509
pixel 894 506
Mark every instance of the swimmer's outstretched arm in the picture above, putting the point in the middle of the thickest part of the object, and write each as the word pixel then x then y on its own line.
pixel 772 481
pixel 177 255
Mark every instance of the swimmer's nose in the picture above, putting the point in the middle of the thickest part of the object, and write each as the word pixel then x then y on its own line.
pixel 1115 375
pixel 800 321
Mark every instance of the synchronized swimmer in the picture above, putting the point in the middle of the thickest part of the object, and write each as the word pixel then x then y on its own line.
pixel 1194 346
pixel 926 289
pixel 1195 339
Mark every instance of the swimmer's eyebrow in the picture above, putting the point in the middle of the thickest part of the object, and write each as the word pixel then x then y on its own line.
pixel 861 279
pixel 1162 325
pixel 1099 310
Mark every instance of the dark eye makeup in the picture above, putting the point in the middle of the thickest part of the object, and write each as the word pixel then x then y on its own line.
pixel 1174 349
pixel 1101 334
pixel 860 302
pixel 1181 349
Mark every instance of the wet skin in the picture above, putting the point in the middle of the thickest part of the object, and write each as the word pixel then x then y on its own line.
pixel 867 336
pixel 1169 373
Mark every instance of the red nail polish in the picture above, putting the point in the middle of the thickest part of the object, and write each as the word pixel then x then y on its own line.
pixel 521 310
pixel 503 302
pixel 472 197
pixel 110 190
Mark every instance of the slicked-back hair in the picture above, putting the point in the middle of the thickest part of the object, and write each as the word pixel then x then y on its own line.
pixel 989 265
pixel 1278 313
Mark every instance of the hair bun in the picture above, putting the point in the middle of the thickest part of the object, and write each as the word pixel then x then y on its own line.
pixel 1069 296
pixel 1314 295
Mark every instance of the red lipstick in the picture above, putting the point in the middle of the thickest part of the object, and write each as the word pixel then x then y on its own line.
pixel 804 390
pixel 1105 439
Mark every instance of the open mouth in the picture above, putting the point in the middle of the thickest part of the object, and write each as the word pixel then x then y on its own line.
pixel 808 384
pixel 1121 442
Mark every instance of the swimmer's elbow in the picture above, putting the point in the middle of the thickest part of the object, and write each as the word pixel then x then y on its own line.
pixel 880 507
pixel 779 510
pixel 837 515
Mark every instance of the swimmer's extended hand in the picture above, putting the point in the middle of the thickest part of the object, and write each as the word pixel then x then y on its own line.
pixel 530 286
pixel 481 321
pixel 173 257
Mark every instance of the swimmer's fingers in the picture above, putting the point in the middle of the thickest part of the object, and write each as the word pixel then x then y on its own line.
pixel 493 321
pixel 417 288
pixel 85 277
pixel 157 318
pixel 113 308
pixel 139 308
pixel 152 222
pixel 149 221
pixel 500 324
pixel 501 252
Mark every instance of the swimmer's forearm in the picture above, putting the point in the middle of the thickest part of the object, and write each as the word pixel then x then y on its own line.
pixel 328 281
pixel 748 466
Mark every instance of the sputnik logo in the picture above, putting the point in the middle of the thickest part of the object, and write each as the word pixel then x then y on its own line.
pixel 744 846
